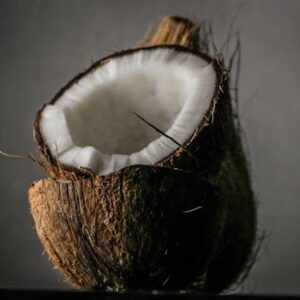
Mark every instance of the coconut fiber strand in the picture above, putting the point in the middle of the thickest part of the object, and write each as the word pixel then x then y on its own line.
pixel 187 222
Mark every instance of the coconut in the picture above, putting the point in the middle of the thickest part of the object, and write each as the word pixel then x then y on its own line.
pixel 149 186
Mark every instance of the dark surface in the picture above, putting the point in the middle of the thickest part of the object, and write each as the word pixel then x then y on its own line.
pixel 67 295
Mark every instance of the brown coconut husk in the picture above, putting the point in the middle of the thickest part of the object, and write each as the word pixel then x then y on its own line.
pixel 188 222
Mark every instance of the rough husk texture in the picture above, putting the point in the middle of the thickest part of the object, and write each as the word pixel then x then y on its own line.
pixel 189 222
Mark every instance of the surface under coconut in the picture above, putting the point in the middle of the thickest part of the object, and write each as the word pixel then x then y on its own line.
pixel 94 125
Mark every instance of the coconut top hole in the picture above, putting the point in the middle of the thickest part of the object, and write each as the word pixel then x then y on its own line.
pixel 94 123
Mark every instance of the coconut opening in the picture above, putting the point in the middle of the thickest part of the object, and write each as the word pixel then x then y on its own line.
pixel 93 123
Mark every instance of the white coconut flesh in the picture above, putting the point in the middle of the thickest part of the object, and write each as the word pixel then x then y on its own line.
pixel 94 123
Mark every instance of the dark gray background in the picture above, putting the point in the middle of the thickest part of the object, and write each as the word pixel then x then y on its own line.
pixel 43 44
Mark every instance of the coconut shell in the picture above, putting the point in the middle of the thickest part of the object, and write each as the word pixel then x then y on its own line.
pixel 203 151
pixel 115 232
pixel 188 222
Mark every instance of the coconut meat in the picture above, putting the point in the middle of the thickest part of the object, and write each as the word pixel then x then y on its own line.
pixel 94 125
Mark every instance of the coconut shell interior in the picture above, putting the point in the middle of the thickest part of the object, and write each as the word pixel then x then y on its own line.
pixel 59 170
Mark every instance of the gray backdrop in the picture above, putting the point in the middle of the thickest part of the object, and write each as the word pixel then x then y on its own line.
pixel 43 44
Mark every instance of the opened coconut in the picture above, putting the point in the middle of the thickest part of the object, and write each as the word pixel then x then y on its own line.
pixel 148 187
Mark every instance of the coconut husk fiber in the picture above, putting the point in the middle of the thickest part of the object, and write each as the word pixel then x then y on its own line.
pixel 186 223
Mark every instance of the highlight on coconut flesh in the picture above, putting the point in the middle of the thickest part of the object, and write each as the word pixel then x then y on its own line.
pixel 148 183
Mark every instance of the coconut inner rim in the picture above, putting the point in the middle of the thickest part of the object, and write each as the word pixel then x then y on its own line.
pixel 93 125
